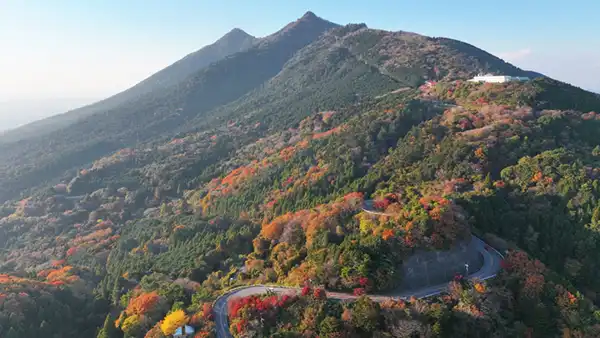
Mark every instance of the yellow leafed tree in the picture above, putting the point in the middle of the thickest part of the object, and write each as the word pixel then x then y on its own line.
pixel 172 321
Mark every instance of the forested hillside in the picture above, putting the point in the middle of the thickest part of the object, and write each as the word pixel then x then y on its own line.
pixel 256 168
pixel 276 72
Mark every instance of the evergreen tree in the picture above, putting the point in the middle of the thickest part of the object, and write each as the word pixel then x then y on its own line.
pixel 116 292
pixel 108 329
pixel 487 183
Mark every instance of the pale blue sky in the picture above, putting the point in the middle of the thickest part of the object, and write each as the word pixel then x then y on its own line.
pixel 94 48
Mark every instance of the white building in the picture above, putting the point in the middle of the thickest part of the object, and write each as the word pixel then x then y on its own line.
pixel 497 78
pixel 184 332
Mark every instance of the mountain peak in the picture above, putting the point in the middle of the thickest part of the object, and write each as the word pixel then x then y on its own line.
pixel 235 33
pixel 309 15
pixel 308 22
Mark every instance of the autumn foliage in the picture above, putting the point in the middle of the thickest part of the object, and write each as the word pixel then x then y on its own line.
pixel 71 251
pixel 321 217
pixel 172 321
pixel 142 304
pixel 531 271
pixel 359 291
pixel 244 309
pixel 319 293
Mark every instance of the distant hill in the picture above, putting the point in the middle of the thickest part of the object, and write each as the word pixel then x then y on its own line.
pixel 234 41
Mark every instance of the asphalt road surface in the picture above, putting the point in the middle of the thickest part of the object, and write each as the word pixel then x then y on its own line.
pixel 491 265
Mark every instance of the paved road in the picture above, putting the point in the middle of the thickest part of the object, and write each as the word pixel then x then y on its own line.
pixel 491 265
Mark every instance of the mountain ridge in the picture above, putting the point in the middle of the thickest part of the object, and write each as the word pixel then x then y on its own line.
pixel 225 88
pixel 232 42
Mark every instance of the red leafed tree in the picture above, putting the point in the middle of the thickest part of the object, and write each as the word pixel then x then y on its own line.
pixel 534 285
pixel 71 251
pixel 518 262
pixel 531 271
pixel 359 291
pixel 207 311
pixel 381 204
pixel 241 326
pixel 319 293
pixel 306 290
pixel 234 306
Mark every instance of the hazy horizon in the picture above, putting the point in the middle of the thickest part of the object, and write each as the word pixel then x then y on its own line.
pixel 14 114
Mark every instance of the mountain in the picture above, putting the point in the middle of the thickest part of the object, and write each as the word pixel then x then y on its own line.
pixel 157 113
pixel 257 169
pixel 294 71
pixel 233 42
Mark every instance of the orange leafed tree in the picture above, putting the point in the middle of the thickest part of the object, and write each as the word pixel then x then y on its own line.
pixel 537 176
pixel 59 274
pixel 142 303
pixel 324 216
pixel 287 153
pixel 479 152
pixel 479 287
pixel 387 234
pixel 347 315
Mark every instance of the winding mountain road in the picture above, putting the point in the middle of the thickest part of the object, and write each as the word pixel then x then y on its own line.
pixel 491 265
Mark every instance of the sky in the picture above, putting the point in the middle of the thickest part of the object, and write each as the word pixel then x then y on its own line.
pixel 70 49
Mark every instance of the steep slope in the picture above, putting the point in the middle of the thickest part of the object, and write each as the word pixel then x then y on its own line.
pixel 354 62
pixel 322 76
pixel 282 78
pixel 156 114
pixel 234 41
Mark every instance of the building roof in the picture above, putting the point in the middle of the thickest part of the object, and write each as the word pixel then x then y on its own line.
pixel 179 331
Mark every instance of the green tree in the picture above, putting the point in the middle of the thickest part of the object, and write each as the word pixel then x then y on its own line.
pixel 132 326
pixel 108 329
pixel 329 325
pixel 596 216
pixel 365 314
